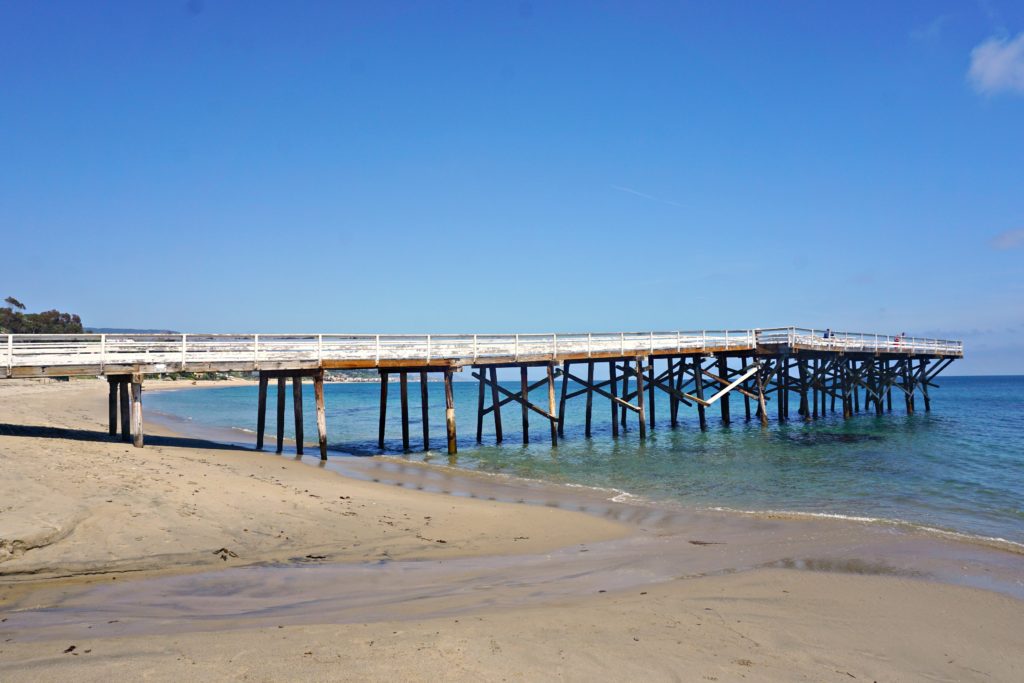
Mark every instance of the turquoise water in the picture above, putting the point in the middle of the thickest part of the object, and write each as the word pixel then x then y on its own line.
pixel 959 468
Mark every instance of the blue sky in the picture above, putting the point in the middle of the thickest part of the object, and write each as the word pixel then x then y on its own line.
pixel 433 167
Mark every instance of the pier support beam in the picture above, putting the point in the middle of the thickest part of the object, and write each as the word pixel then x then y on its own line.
pixel 281 386
pixel 723 372
pixel 297 410
pixel 261 412
pixel 615 405
pixel 640 396
pixel 524 404
pixel 425 410
pixel 112 404
pixel 403 383
pixel 555 424
pixel 590 399
pixel 698 378
pixel 383 408
pixel 137 410
pixel 321 412
pixel 126 411
pixel 449 412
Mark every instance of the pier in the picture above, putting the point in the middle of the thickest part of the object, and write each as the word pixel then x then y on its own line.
pixel 811 369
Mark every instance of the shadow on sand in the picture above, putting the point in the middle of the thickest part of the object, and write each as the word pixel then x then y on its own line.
pixel 104 437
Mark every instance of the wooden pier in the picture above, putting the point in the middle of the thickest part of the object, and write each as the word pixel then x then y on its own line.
pixel 811 368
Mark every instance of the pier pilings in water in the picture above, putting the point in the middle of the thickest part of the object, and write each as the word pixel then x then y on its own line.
pixel 296 377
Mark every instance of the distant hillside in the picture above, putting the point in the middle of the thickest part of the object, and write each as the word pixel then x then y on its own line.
pixel 126 330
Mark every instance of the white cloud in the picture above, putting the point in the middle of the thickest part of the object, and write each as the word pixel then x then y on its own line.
pixel 998 65
pixel 1011 239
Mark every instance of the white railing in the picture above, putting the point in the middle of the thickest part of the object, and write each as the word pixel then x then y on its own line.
pixel 174 352
pixel 828 340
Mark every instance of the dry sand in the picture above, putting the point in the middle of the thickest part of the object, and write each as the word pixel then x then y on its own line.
pixel 76 507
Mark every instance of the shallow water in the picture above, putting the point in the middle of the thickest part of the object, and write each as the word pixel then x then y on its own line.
pixel 958 468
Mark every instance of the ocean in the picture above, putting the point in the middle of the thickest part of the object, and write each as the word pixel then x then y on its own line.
pixel 959 468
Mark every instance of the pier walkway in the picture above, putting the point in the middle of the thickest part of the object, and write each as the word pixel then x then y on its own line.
pixel 693 368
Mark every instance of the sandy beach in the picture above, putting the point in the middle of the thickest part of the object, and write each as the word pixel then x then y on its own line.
pixel 191 560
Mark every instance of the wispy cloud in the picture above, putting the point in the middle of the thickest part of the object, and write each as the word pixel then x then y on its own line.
pixel 637 193
pixel 998 65
pixel 1011 239
pixel 930 32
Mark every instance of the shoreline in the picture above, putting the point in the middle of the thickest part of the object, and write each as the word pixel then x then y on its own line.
pixel 224 435
pixel 569 582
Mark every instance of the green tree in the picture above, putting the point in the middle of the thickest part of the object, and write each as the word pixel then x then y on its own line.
pixel 14 321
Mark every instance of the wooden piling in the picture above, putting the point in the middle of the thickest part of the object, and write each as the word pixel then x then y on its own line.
pixel 780 386
pixel 137 410
pixel 555 424
pixel 261 412
pixel 640 396
pixel 805 411
pixel 924 385
pixel 112 404
pixel 561 403
pixel 525 392
pixel 126 411
pixel 281 386
pixel 615 406
pixel 297 409
pixel 723 372
pixel 762 409
pixel 650 393
pixel 673 400
pixel 403 384
pixel 383 408
pixel 449 411
pixel 698 377
pixel 746 397
pixel 590 398
pixel 425 410
pixel 321 412
pixel 481 386
pixel 495 403
pixel 815 366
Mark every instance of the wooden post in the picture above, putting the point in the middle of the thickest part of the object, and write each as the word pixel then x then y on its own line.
pixel 847 398
pixel 403 383
pixel 281 385
pixel 480 406
pixel 673 401
pixel 449 412
pixel 561 404
pixel 723 372
pixel 824 396
pixel 555 424
pixel 762 409
pixel 321 412
pixel 496 403
pixel 137 410
pixel 383 408
pixel 425 409
pixel 261 412
pixel 590 396
pixel 805 411
pixel 815 365
pixel 640 396
pixel 854 376
pixel 698 376
pixel 909 396
pixel 746 397
pixel 112 404
pixel 525 391
pixel 888 388
pixel 615 392
pixel 126 411
pixel 650 394
pixel 924 386
pixel 780 384
pixel 297 409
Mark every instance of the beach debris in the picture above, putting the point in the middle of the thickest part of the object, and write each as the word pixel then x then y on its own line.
pixel 316 557
pixel 225 553
pixel 71 648
pixel 706 543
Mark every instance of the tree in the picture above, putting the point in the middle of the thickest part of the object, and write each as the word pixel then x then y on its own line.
pixel 13 321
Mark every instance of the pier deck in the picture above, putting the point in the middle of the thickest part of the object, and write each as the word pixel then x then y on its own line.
pixel 754 363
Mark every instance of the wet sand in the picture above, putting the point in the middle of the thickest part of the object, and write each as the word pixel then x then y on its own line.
pixel 569 585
